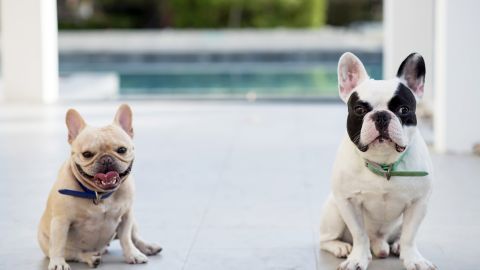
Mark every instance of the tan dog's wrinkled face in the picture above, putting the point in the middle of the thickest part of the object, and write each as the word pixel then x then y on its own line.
pixel 101 158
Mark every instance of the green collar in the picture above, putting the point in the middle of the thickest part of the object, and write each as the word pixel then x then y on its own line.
pixel 389 170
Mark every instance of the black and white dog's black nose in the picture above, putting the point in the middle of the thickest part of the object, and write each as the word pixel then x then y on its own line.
pixel 382 119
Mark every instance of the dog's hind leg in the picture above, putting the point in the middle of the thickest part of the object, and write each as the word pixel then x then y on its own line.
pixel 395 247
pixel 395 243
pixel 146 248
pixel 379 247
pixel 93 259
pixel 332 229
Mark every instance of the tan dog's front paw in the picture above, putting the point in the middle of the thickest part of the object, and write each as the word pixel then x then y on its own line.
pixel 136 258
pixel 419 264
pixel 58 264
pixel 149 249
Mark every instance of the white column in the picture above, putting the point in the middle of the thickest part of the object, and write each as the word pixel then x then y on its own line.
pixel 408 27
pixel 29 50
pixel 457 99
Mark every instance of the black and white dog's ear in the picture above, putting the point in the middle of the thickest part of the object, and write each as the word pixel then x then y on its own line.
pixel 351 73
pixel 412 73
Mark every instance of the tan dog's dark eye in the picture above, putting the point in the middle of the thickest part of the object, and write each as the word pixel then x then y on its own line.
pixel 87 154
pixel 403 110
pixel 122 150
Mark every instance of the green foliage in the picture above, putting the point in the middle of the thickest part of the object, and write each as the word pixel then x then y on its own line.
pixel 345 12
pixel 194 13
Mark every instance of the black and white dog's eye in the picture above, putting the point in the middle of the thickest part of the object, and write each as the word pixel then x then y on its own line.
pixel 87 154
pixel 121 150
pixel 360 110
pixel 403 110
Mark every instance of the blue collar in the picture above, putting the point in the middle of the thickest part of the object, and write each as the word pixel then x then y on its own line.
pixel 86 194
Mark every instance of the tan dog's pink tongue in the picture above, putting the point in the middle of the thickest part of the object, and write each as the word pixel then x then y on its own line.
pixel 106 178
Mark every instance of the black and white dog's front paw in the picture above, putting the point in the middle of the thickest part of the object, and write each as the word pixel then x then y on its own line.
pixel 354 264
pixel 413 260
pixel 419 264
pixel 356 261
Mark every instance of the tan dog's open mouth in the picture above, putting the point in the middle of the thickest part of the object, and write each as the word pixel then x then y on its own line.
pixel 106 181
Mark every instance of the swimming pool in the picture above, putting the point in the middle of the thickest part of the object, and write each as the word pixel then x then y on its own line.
pixel 221 75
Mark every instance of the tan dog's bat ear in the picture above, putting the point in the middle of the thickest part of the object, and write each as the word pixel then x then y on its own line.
pixel 123 118
pixel 75 124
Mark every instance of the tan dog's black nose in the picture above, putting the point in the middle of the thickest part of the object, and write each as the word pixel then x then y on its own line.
pixel 107 163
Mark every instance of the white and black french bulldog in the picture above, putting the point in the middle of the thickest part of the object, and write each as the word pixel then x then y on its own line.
pixel 382 177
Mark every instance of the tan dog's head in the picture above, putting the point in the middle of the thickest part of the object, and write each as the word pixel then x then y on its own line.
pixel 101 158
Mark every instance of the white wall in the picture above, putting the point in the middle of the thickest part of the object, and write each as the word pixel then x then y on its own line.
pixel 457 60
pixel 446 33
pixel 29 50
pixel 409 27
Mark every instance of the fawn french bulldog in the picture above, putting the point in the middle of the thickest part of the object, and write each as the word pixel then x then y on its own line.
pixel 90 203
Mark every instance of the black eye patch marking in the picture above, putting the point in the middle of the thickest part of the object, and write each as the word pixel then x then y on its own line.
pixel 355 120
pixel 404 98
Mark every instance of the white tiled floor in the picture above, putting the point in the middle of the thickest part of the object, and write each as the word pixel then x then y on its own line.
pixel 221 186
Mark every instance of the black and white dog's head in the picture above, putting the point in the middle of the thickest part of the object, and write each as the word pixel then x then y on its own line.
pixel 381 114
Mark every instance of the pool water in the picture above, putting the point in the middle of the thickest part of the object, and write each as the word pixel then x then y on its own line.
pixel 279 76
